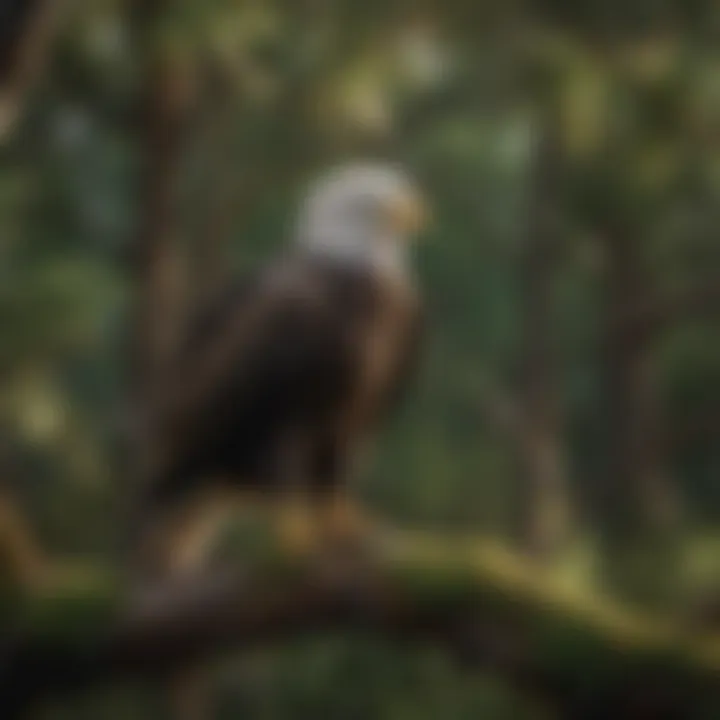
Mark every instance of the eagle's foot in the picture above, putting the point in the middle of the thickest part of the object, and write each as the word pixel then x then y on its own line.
pixel 346 525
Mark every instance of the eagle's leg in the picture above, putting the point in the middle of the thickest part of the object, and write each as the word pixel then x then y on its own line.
pixel 295 524
pixel 342 519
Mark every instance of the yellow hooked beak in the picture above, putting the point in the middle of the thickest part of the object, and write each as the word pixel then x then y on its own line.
pixel 407 215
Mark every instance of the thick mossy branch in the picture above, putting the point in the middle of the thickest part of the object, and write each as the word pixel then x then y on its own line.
pixel 587 656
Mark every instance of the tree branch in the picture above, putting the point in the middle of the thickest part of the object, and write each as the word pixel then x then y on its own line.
pixel 589 658
pixel 26 27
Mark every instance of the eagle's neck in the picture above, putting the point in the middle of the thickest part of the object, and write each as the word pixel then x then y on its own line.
pixel 385 256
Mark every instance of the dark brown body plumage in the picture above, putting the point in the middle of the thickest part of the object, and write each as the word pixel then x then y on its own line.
pixel 283 380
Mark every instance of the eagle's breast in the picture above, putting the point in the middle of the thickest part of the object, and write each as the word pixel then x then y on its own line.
pixel 383 344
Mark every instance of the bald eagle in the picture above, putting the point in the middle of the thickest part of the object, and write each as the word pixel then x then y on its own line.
pixel 286 378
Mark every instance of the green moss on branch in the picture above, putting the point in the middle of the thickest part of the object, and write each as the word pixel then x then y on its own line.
pixel 587 655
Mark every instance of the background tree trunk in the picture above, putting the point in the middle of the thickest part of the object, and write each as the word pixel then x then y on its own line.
pixel 638 504
pixel 157 258
pixel 25 30
pixel 543 487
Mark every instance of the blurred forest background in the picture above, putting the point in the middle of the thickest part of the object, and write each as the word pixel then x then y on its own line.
pixel 569 402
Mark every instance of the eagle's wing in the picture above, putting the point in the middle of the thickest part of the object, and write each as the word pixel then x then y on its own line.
pixel 408 357
pixel 213 317
pixel 208 355
pixel 275 342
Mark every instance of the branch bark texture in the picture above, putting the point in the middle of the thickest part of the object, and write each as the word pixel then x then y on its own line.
pixel 587 657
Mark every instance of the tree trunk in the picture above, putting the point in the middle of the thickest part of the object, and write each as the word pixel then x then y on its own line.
pixel 157 256
pixel 637 503
pixel 225 192
pixel 25 30
pixel 545 504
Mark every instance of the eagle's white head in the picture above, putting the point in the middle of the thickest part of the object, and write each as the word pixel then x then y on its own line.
pixel 366 213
